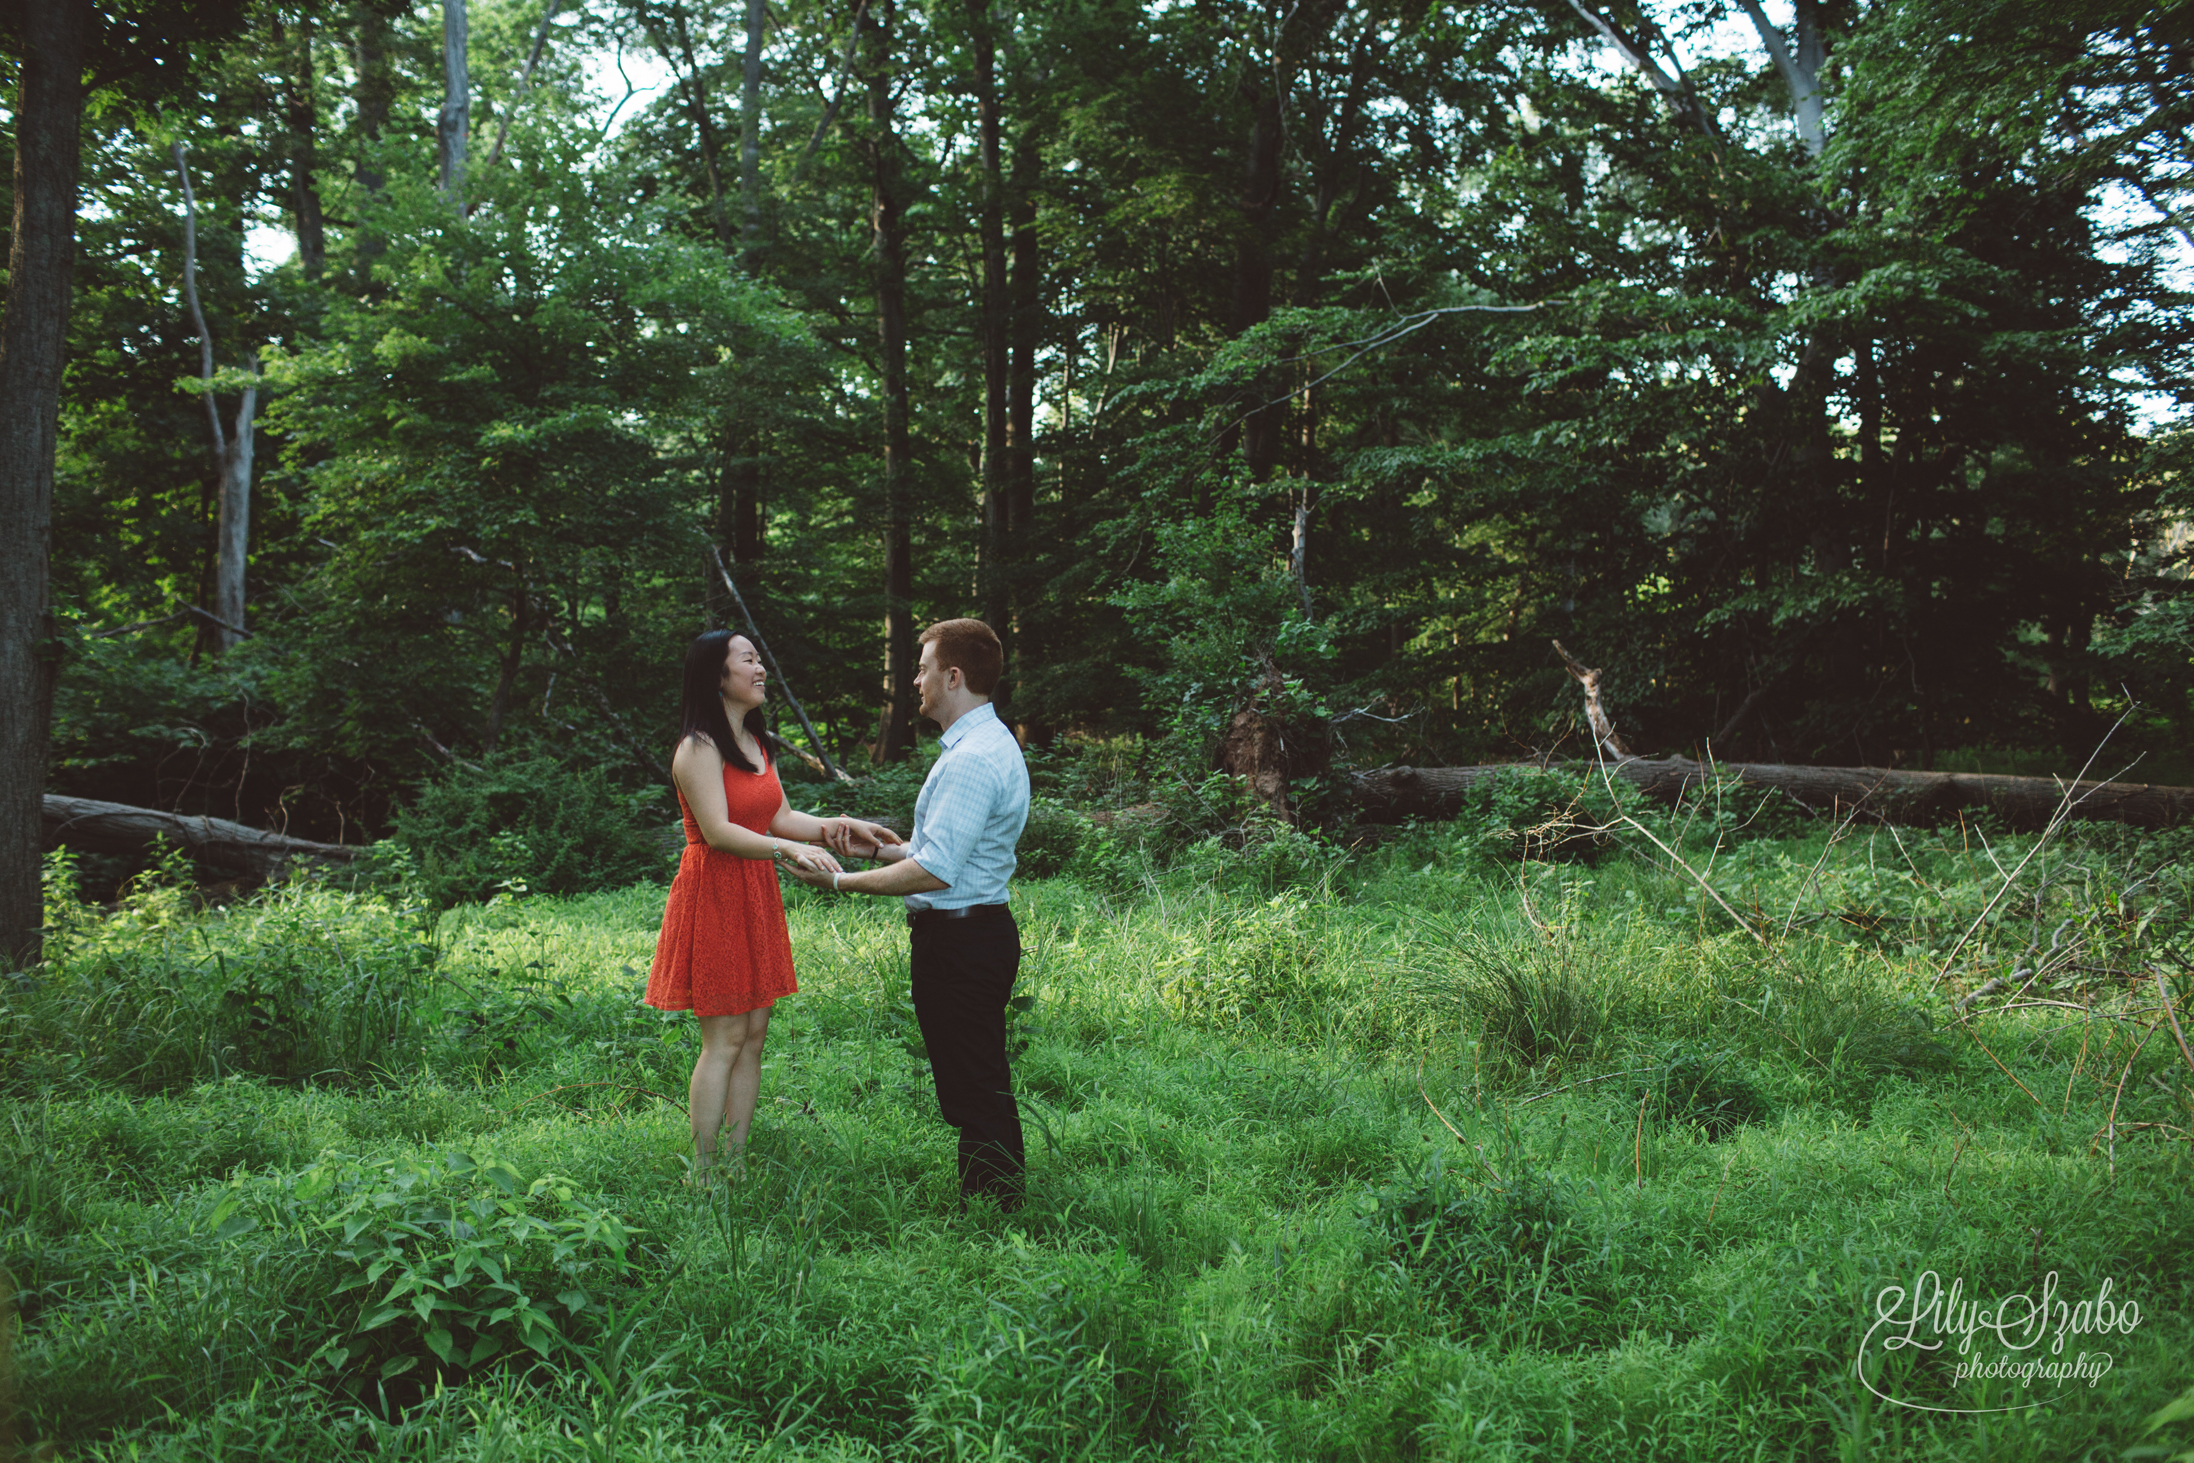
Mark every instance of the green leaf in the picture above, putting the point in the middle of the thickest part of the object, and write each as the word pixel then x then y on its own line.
pixel 442 1344
pixel 397 1365
pixel 2177 1410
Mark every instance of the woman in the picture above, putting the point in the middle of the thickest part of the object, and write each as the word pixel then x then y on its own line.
pixel 724 952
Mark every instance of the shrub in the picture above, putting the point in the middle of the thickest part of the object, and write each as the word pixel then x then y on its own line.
pixel 1054 836
pixel 1270 860
pixel 455 1261
pixel 529 824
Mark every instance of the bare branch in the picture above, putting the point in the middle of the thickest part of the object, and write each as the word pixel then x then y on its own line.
pixel 190 293
pixel 525 83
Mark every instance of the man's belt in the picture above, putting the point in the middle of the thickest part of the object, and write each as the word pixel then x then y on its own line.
pixel 916 918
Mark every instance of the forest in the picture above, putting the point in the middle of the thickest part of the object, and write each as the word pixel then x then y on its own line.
pixel 1317 396
pixel 1822 381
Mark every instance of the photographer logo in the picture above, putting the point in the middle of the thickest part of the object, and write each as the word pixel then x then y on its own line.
pixel 2020 1338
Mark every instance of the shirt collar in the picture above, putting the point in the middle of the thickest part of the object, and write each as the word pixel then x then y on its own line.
pixel 966 724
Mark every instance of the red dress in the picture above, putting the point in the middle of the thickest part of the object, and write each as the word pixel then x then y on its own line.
pixel 724 946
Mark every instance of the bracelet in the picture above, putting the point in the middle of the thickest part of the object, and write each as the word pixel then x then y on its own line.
pixel 835 876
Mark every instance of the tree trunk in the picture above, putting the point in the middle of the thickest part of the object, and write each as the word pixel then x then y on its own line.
pixel 750 131
pixel 1394 793
pixel 996 313
pixel 49 110
pixel 372 96
pixel 301 115
pixel 739 498
pixel 232 534
pixel 1025 339
pixel 231 451
pixel 895 733
pixel 119 828
pixel 453 128
pixel 1252 302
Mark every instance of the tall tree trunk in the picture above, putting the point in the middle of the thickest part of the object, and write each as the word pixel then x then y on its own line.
pixel 739 498
pixel 301 117
pixel 231 451
pixel 1252 302
pixel 750 131
pixel 49 111
pixel 996 312
pixel 453 129
pixel 232 530
pixel 1026 339
pixel 895 733
pixel 372 96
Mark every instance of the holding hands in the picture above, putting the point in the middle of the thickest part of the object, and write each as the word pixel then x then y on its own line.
pixel 857 838
pixel 801 860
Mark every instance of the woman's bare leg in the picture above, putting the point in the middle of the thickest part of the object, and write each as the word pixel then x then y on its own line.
pixel 727 1077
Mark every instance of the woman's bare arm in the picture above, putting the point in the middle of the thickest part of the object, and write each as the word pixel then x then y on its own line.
pixel 841 835
pixel 698 769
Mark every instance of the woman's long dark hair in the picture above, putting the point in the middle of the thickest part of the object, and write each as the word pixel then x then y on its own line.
pixel 701 700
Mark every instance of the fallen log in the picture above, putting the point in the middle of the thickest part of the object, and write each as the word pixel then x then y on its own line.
pixel 1390 794
pixel 120 828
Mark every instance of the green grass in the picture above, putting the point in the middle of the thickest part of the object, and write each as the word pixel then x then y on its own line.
pixel 1411 1164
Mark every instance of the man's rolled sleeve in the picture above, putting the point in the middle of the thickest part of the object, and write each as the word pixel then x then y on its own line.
pixel 960 802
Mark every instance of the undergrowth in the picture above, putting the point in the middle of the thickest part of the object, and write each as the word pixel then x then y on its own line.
pixel 1422 1154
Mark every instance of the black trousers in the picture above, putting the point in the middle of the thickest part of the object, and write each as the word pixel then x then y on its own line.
pixel 963 972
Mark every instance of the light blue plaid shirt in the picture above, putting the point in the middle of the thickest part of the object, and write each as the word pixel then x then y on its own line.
pixel 973 805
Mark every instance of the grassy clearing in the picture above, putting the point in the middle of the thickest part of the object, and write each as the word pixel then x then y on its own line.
pixel 1428 1159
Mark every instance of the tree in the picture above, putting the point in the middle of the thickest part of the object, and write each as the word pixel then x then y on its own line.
pixel 55 45
pixel 887 212
pixel 231 450
pixel 48 111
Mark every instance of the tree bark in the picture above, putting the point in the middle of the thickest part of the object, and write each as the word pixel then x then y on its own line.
pixel 1890 796
pixel 49 110
pixel 1024 341
pixel 895 732
pixel 231 451
pixel 1800 67
pixel 301 115
pixel 525 82
pixel 739 498
pixel 1024 338
pixel 453 128
pixel 119 828
pixel 750 131
pixel 373 94
pixel 996 316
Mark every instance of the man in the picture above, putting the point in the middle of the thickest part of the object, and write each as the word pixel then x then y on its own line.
pixel 952 873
